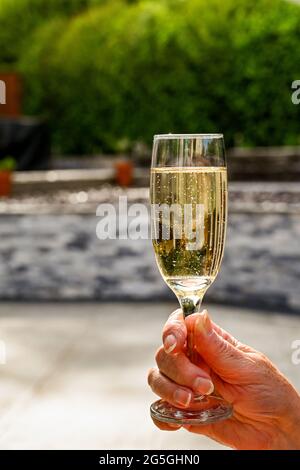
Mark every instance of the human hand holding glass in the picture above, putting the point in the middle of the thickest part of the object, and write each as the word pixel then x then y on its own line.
pixel 267 406
pixel 189 214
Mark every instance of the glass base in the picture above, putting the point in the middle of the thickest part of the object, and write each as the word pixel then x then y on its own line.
pixel 203 410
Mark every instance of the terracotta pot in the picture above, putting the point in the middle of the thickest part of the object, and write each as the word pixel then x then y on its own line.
pixel 124 173
pixel 5 183
pixel 13 85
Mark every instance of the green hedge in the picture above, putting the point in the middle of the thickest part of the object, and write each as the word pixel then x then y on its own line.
pixel 18 19
pixel 117 72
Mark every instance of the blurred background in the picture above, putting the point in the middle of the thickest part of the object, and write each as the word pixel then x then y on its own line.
pixel 88 83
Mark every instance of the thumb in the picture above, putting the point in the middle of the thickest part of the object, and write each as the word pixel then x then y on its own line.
pixel 221 356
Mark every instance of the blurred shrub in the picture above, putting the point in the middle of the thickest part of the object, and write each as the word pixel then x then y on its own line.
pixel 77 74
pixel 18 18
pixel 119 72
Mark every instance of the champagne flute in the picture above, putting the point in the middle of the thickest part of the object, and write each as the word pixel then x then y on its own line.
pixel 188 224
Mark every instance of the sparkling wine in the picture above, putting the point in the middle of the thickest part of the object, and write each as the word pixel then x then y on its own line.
pixel 189 214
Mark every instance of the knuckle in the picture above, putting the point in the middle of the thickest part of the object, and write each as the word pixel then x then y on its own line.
pixel 152 376
pixel 223 347
pixel 175 368
pixel 177 325
pixel 259 359
pixel 170 328
pixel 260 366
pixel 174 315
pixel 174 321
pixel 160 356
pixel 262 358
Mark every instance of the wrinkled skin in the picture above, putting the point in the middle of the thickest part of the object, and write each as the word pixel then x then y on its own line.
pixel 266 406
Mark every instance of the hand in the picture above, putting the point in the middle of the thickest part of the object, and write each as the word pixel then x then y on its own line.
pixel 266 406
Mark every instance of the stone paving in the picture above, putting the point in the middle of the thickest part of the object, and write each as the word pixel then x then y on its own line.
pixel 75 374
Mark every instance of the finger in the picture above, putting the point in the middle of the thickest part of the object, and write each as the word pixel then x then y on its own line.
pixel 192 319
pixel 174 333
pixel 166 426
pixel 181 370
pixel 231 339
pixel 203 429
pixel 227 336
pixel 163 387
pixel 190 323
pixel 223 357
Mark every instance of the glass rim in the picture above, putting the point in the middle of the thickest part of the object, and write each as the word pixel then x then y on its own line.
pixel 187 136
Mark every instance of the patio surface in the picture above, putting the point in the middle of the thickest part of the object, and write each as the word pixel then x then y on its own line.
pixel 75 374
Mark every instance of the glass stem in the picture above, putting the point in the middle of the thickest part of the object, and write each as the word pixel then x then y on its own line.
pixel 191 304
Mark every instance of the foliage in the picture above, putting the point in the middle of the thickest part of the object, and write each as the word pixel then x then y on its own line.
pixel 7 164
pixel 109 73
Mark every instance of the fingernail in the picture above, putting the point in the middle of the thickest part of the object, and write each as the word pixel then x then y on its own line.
pixel 203 324
pixel 170 343
pixel 182 397
pixel 202 385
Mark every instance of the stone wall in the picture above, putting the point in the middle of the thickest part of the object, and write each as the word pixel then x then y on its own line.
pixel 58 257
